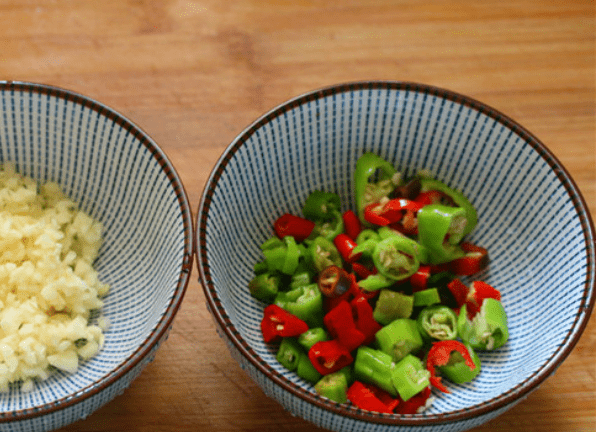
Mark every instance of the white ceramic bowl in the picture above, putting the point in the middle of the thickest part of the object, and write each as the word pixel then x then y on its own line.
pixel 533 220
pixel 120 176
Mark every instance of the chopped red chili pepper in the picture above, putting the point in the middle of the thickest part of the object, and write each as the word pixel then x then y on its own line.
pixel 438 268
pixel 474 261
pixel 331 302
pixel 459 290
pixel 412 405
pixel 340 324
pixel 479 291
pixel 363 316
pixel 434 197
pixel 392 210
pixel 428 197
pixel 373 214
pixel 402 214
pixel 295 226
pixel 334 281
pixel 439 355
pixel 399 212
pixel 418 280
pixel 364 397
pixel 278 323
pixel 352 225
pixel 345 245
pixel 482 290
pixel 363 271
pixel 357 291
pixel 329 356
pixel 409 190
pixel 390 402
pixel 354 291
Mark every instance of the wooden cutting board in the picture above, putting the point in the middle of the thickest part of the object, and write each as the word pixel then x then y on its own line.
pixel 194 74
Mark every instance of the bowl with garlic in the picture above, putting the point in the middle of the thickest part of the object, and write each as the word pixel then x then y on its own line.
pixel 95 254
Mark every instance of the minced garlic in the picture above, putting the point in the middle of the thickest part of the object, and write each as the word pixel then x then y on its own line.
pixel 48 287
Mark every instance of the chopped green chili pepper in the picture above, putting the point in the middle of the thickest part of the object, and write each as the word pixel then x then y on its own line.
pixel 312 336
pixel 395 257
pixel 399 338
pixel 410 377
pixel 305 302
pixel 306 370
pixel 275 258
pixel 347 371
pixel 427 297
pixel 324 254
pixel 367 234
pixel 289 353
pixel 438 322
pixel 264 286
pixel 367 192
pixel 260 267
pixel 457 371
pixel 273 242
pixel 429 184
pixel 292 257
pixel 440 229
pixel 375 282
pixel 366 248
pixel 392 305
pixel 300 279
pixel 284 258
pixel 333 386
pixel 320 205
pixel 489 328
pixel 375 367
pixel 421 251
pixel 330 228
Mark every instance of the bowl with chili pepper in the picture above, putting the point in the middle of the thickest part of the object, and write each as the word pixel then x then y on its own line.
pixel 382 255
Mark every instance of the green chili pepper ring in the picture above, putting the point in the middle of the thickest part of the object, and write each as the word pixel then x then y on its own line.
pixel 438 322
pixel 396 257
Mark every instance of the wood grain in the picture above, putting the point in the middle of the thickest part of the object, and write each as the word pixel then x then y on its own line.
pixel 193 74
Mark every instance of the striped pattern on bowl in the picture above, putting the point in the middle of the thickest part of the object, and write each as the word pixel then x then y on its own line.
pixel 532 219
pixel 120 176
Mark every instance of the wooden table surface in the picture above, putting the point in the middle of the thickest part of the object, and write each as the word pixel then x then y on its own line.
pixel 193 74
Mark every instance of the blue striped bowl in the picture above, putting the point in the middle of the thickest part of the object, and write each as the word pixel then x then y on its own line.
pixel 533 220
pixel 120 176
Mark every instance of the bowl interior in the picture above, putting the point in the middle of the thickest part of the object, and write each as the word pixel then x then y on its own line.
pixel 532 219
pixel 119 176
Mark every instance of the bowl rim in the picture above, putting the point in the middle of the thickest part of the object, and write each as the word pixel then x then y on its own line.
pixel 162 327
pixel 516 393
